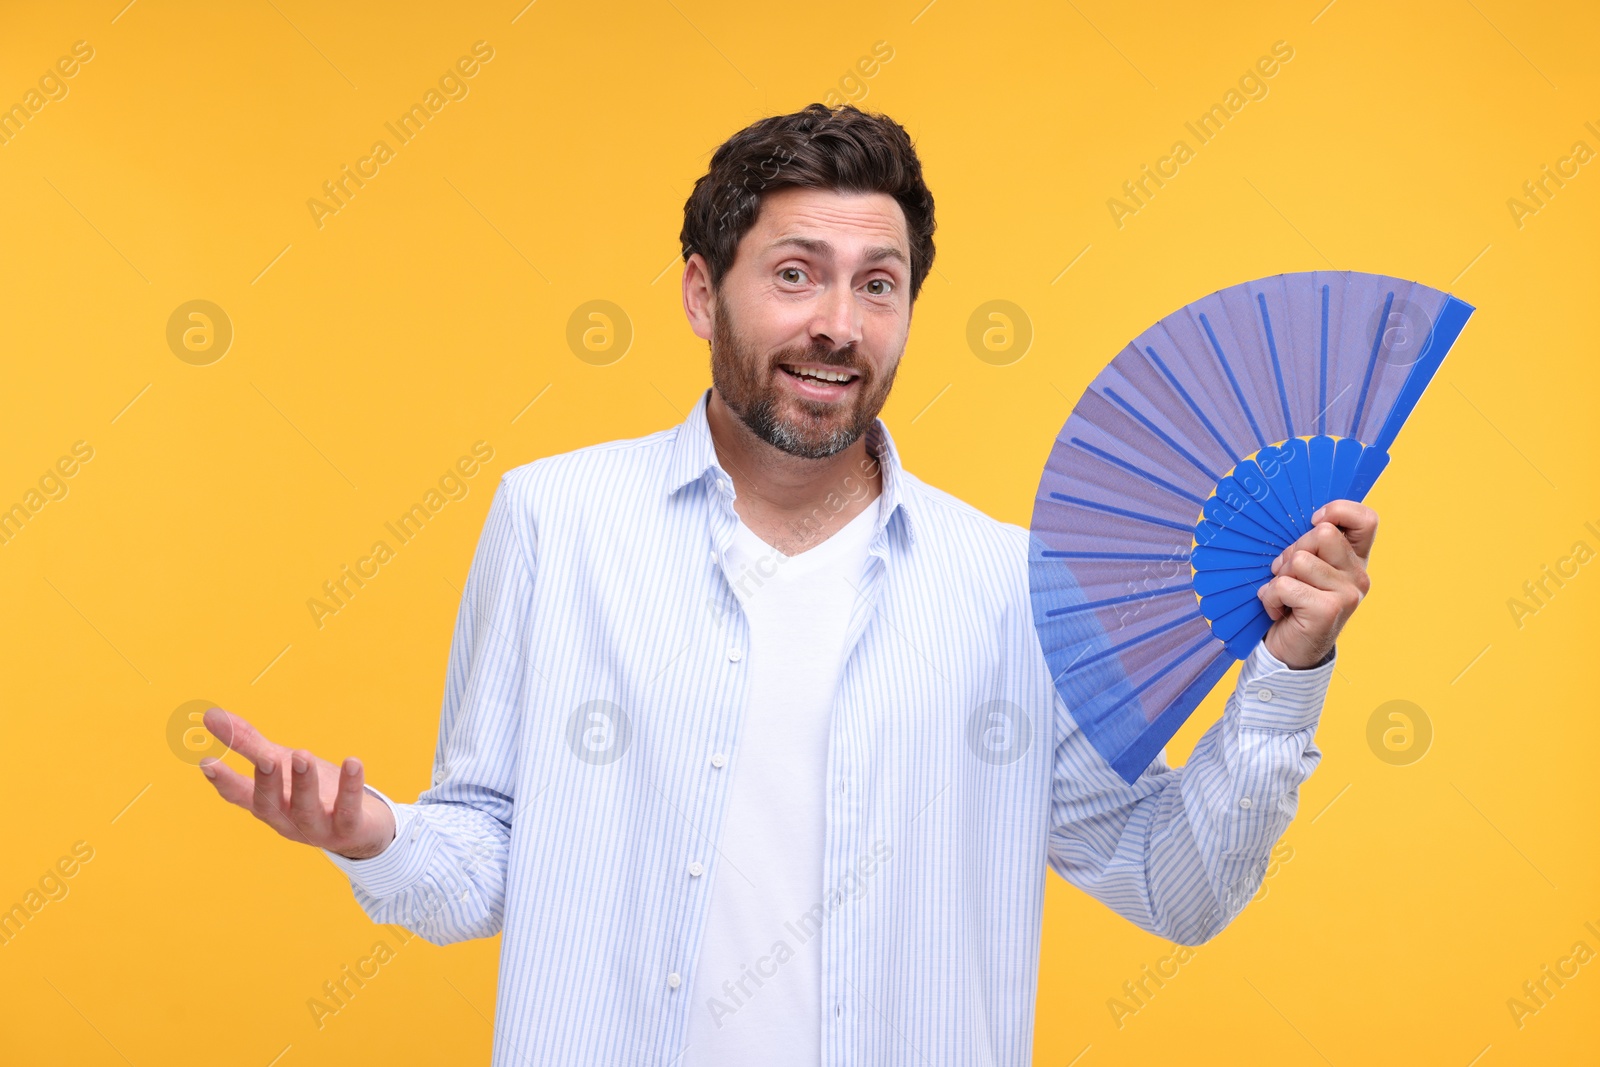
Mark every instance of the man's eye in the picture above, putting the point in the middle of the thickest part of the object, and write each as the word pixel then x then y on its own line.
pixel 785 272
pixel 885 282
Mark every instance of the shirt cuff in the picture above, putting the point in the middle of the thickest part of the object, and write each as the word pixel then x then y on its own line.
pixel 399 866
pixel 1274 696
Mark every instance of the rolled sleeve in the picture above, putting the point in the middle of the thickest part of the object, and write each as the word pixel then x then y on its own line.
pixel 399 866
pixel 444 876
pixel 1181 851
pixel 1268 752
pixel 1276 696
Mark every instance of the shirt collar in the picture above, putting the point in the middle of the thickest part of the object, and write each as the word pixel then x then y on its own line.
pixel 694 458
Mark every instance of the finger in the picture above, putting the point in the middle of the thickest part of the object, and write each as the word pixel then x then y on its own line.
pixel 305 799
pixel 1331 545
pixel 1358 523
pixel 1329 542
pixel 267 798
pixel 1311 569
pixel 348 803
pixel 1325 540
pixel 238 735
pixel 234 787
pixel 1284 594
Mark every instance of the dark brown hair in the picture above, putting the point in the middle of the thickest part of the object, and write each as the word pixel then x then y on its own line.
pixel 845 149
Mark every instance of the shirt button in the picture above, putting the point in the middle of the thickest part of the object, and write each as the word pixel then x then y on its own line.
pixel 713 555
pixel 718 759
pixel 1244 802
pixel 735 655
pixel 696 869
pixel 674 980
pixel 1263 694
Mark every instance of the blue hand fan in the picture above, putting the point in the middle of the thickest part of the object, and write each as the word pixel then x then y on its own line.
pixel 1195 457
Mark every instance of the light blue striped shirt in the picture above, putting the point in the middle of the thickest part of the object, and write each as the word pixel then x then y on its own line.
pixel 590 722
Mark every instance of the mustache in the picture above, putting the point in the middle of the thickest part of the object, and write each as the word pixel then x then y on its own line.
pixel 821 354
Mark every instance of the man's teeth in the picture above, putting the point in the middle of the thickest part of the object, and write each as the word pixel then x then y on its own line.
pixel 824 375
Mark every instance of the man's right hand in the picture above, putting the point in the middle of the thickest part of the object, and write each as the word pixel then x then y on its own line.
pixel 304 798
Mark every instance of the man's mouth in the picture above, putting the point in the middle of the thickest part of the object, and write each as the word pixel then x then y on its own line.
pixel 816 379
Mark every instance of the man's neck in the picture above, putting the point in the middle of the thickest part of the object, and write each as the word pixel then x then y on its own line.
pixel 790 502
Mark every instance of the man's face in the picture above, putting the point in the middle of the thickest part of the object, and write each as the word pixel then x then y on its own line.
pixel 820 286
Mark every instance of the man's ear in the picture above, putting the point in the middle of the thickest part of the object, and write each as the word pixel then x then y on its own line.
pixel 698 297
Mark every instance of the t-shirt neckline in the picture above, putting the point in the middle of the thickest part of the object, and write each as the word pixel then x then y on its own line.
pixel 852 534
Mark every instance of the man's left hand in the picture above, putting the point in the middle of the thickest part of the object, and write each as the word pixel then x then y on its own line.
pixel 1319 580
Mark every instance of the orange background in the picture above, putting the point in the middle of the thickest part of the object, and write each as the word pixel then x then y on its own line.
pixel 1411 900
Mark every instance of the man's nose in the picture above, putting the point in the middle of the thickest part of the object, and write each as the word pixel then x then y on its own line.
pixel 838 318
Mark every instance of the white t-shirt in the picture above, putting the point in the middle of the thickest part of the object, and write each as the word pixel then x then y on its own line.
pixel 754 1000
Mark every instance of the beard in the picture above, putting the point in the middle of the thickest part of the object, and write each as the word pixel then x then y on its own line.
pixel 810 429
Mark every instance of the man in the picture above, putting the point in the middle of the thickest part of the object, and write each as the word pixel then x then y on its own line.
pixel 717 747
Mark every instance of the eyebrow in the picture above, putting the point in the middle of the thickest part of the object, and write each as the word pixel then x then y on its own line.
pixel 823 249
